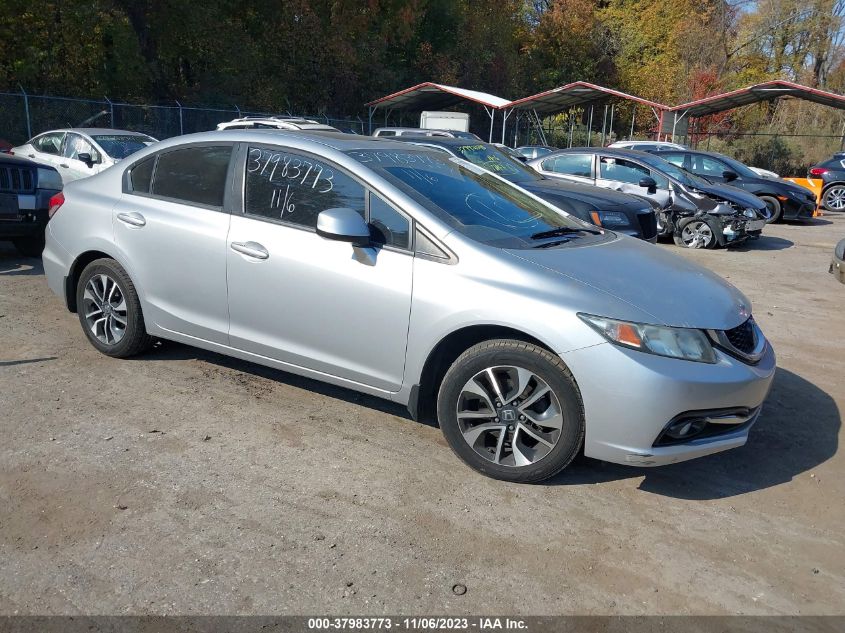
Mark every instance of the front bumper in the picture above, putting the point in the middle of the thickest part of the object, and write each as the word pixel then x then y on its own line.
pixel 28 223
pixel 796 210
pixel 630 397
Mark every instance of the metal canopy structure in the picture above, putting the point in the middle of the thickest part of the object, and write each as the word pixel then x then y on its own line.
pixel 572 95
pixel 767 91
pixel 432 96
pixel 579 94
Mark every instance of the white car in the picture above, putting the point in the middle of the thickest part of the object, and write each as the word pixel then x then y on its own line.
pixel 275 123
pixel 646 146
pixel 82 152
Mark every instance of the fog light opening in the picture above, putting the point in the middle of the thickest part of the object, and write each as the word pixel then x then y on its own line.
pixel 686 428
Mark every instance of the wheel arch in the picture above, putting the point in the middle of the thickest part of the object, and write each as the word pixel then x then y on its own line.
pixel 75 271
pixel 421 403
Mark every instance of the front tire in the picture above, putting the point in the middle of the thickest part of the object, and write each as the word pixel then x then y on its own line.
pixel 109 310
pixel 512 411
pixel 775 208
pixel 697 232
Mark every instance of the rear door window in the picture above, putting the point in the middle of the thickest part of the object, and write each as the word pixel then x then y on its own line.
pixel 195 175
pixel 571 164
pixel 50 143
pixel 708 166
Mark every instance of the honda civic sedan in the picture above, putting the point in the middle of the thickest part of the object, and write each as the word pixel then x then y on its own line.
pixel 419 277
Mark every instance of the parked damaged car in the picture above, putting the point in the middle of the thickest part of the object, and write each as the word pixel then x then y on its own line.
pixel 695 212
pixel 785 200
pixel 633 215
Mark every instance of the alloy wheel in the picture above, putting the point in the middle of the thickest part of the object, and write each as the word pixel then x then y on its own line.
pixel 834 198
pixel 697 234
pixel 509 416
pixel 105 309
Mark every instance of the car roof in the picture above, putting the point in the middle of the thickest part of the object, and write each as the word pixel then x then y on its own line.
pixel 610 151
pixel 334 140
pixel 446 141
pixel 94 131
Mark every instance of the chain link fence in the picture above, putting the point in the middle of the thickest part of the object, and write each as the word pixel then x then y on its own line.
pixel 22 116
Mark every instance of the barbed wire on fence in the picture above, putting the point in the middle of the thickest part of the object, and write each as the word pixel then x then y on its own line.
pixel 24 115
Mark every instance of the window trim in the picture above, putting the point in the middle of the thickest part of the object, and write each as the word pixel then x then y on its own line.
pixel 227 188
pixel 239 187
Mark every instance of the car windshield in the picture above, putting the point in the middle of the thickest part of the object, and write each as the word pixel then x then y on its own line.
pixel 673 171
pixel 740 169
pixel 497 161
pixel 122 145
pixel 476 203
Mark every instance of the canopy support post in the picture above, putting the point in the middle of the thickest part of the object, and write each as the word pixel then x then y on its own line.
pixel 370 113
pixel 590 127
pixel 610 127
pixel 633 118
pixel 505 115
pixel 571 126
pixel 603 125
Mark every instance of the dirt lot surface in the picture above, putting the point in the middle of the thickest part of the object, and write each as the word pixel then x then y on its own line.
pixel 186 482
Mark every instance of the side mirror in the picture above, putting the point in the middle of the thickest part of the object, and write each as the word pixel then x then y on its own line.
pixel 343 225
pixel 86 158
pixel 729 176
pixel 649 183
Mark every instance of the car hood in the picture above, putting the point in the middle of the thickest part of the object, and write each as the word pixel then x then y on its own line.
pixel 668 288
pixel 601 199
pixel 732 194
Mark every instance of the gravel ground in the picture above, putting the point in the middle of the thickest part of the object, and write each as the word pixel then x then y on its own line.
pixel 184 482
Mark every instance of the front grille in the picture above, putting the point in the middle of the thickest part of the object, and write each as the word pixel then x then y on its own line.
pixel 742 337
pixel 648 224
pixel 15 179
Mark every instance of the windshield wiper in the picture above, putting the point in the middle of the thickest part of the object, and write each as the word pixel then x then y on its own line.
pixel 563 230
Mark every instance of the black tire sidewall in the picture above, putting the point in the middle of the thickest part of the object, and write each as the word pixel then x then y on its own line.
pixel 532 358
pixel 775 207
pixel 824 197
pixel 136 334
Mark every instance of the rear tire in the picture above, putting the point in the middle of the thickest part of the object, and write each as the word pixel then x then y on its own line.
pixel 833 198
pixel 526 427
pixel 109 310
pixel 30 246
pixel 775 208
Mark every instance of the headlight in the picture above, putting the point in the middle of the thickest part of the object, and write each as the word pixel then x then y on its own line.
pixel 750 213
pixel 49 179
pixel 609 219
pixel 673 342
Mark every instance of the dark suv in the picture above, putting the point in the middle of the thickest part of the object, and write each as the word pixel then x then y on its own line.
pixel 832 174
pixel 786 200
pixel 25 191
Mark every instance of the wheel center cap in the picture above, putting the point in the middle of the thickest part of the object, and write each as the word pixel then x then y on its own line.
pixel 508 414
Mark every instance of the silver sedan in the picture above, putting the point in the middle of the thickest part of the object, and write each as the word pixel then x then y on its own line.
pixel 416 276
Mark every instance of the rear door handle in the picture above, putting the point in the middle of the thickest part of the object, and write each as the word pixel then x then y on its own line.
pixel 65 166
pixel 30 155
pixel 250 249
pixel 132 219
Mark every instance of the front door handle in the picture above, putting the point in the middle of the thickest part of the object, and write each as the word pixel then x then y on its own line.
pixel 65 166
pixel 132 219
pixel 30 155
pixel 250 249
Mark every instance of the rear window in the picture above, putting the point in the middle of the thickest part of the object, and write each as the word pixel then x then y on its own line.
pixel 122 145
pixel 194 174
